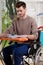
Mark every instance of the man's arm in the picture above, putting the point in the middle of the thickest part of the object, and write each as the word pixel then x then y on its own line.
pixel 9 30
pixel 3 35
pixel 34 30
pixel 31 37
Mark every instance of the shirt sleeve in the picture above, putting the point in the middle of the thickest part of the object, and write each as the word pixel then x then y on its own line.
pixel 10 29
pixel 34 29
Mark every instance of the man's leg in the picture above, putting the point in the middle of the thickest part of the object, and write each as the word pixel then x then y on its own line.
pixel 6 53
pixel 18 53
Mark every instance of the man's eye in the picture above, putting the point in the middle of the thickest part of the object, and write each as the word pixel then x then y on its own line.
pixel 19 11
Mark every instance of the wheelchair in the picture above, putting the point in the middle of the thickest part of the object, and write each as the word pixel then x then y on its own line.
pixel 1 55
pixel 35 52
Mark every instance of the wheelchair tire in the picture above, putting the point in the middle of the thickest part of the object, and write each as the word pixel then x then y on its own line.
pixel 39 56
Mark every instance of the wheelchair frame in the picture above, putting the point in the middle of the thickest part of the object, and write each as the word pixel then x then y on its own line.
pixel 35 56
pixel 1 56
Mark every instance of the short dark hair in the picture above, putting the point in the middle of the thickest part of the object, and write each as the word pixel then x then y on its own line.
pixel 20 3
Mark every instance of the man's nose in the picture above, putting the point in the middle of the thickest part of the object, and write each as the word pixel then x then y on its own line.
pixel 19 12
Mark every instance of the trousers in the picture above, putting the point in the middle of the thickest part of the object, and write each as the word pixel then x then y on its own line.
pixel 17 50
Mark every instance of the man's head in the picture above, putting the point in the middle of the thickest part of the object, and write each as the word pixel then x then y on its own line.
pixel 21 8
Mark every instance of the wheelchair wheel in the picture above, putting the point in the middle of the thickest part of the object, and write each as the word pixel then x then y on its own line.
pixel 2 62
pixel 27 60
pixel 39 56
pixel 1 59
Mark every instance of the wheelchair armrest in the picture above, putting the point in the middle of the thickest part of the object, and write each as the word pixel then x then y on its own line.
pixel 33 47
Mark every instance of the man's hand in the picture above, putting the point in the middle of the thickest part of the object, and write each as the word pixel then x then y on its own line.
pixel 31 37
pixel 2 35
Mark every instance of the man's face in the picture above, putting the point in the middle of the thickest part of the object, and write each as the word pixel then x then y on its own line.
pixel 21 11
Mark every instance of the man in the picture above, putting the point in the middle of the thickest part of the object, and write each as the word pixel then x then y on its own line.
pixel 22 25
